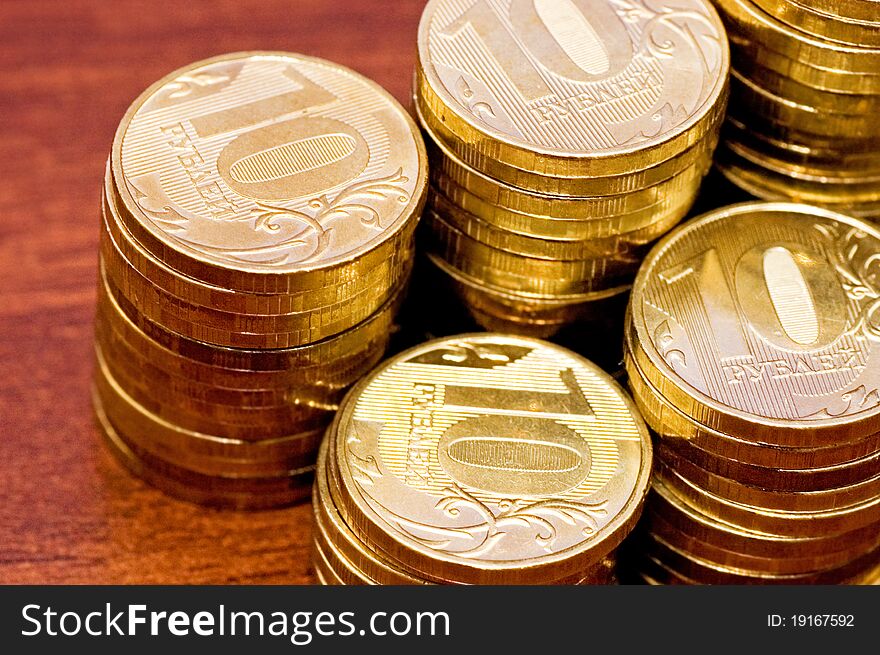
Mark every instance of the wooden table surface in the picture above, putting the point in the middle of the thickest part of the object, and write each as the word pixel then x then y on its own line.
pixel 68 512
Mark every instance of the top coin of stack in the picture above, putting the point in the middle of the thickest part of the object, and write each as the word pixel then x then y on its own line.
pixel 805 96
pixel 564 136
pixel 259 220
pixel 751 345
pixel 445 465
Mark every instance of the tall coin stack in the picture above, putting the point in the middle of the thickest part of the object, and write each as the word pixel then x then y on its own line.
pixel 259 217
pixel 446 466
pixel 805 94
pixel 752 343
pixel 564 137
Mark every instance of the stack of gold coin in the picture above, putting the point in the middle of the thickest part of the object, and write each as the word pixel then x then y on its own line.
pixel 258 231
pixel 565 136
pixel 805 95
pixel 480 459
pixel 751 345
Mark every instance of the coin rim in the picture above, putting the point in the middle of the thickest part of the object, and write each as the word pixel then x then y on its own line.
pixel 201 259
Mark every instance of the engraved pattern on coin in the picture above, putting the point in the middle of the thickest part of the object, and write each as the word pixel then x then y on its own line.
pixel 269 161
pixel 575 75
pixel 493 449
pixel 774 312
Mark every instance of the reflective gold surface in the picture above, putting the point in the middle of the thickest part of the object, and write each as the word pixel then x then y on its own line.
pixel 259 215
pixel 221 491
pixel 449 461
pixel 203 184
pixel 564 137
pixel 616 91
pixel 761 320
pixel 804 95
pixel 821 20
pixel 766 441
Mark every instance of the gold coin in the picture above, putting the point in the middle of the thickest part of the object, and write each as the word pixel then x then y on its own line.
pixel 240 170
pixel 678 512
pixel 761 103
pixel 697 570
pixel 233 493
pixel 743 19
pixel 760 320
pixel 791 501
pixel 854 148
pixel 134 365
pixel 849 184
pixel 602 572
pixel 147 363
pixel 671 424
pixel 794 90
pixel 777 479
pixel 179 402
pixel 770 185
pixel 331 530
pixel 611 211
pixel 817 77
pixel 447 163
pixel 748 561
pixel 785 523
pixel 539 194
pixel 605 97
pixel 302 368
pixel 657 573
pixel 780 146
pixel 527 274
pixel 325 575
pixel 287 363
pixel 342 569
pixel 425 475
pixel 358 562
pixel 451 172
pixel 208 454
pixel 529 308
pixel 303 299
pixel 355 563
pixel 222 328
pixel 607 210
pixel 516 298
pixel 564 186
pixel 626 245
pixel 146 301
pixel 821 24
pixel 498 311
pixel 655 219
pixel 863 10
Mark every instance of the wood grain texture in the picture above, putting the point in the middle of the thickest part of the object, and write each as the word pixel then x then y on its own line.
pixel 68 512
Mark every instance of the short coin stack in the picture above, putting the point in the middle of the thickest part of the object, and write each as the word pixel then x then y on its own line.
pixel 446 466
pixel 564 136
pixel 752 342
pixel 805 94
pixel 259 217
